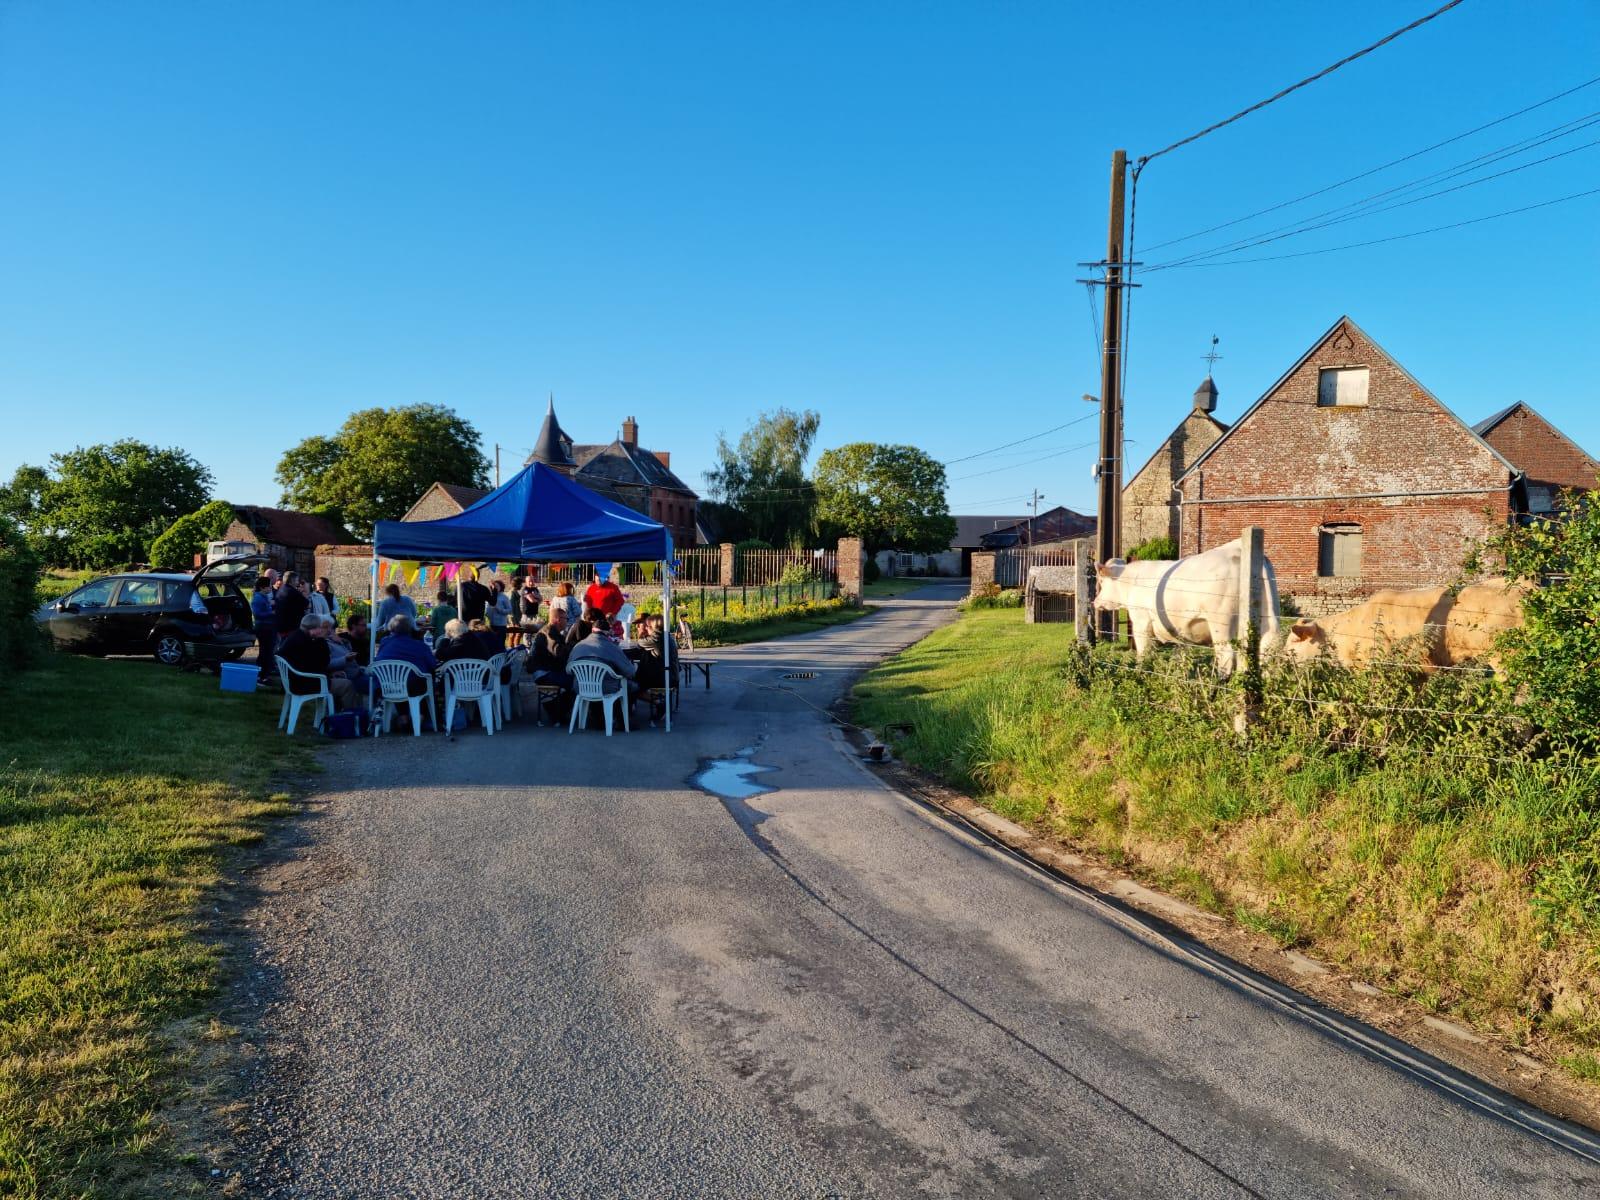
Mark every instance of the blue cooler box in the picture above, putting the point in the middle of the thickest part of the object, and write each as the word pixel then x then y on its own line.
pixel 239 677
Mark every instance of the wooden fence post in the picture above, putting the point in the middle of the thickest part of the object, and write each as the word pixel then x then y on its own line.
pixel 1081 599
pixel 1252 601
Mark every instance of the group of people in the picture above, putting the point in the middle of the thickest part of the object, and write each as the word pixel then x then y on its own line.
pixel 489 620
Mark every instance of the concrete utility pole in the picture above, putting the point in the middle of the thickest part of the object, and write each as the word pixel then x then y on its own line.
pixel 1108 472
pixel 497 464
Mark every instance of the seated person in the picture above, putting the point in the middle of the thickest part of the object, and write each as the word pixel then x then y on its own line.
pixel 404 645
pixel 306 649
pixel 460 641
pixel 342 655
pixel 596 646
pixel 549 650
pixel 444 611
pixel 358 636
pixel 654 641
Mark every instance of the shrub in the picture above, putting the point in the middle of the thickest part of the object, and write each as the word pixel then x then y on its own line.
pixel 188 535
pixel 991 595
pixel 1155 549
pixel 20 642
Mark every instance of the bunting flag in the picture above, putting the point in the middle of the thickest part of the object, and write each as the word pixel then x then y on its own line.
pixel 422 577
pixel 491 567
pixel 603 570
pixel 449 571
pixel 410 567
pixel 647 572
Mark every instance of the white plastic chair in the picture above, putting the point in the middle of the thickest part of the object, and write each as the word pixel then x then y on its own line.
pixel 469 680
pixel 394 677
pixel 590 677
pixel 293 702
pixel 625 614
pixel 516 661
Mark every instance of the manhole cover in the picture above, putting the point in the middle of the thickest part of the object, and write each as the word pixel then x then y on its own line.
pixel 801 675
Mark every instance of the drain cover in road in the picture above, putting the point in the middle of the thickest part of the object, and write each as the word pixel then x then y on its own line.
pixel 801 675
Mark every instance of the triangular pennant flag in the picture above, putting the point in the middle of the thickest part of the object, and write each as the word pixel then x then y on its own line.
pixel 491 567
pixel 603 570
pixel 422 577
pixel 411 566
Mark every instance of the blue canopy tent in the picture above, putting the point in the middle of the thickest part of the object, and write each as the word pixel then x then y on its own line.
pixel 538 515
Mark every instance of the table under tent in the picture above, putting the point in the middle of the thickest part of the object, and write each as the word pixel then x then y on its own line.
pixel 537 517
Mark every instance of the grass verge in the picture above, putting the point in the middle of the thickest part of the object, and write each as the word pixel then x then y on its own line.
pixel 760 624
pixel 124 787
pixel 1475 891
pixel 889 587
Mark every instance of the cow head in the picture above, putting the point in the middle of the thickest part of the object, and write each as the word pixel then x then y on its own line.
pixel 1305 642
pixel 1108 585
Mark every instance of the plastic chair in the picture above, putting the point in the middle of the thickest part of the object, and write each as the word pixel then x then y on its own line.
pixel 469 680
pixel 512 662
pixel 293 702
pixel 590 677
pixel 625 614
pixel 394 676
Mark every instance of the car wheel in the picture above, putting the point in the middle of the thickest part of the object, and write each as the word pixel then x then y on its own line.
pixel 169 649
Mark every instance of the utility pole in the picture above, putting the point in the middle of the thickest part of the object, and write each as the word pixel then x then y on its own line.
pixel 1108 471
pixel 497 464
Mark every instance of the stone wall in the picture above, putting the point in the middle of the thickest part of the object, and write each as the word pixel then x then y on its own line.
pixel 1149 508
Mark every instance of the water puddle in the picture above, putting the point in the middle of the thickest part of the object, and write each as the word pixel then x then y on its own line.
pixel 732 778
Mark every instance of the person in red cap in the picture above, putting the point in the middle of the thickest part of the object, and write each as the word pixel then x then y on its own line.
pixel 605 596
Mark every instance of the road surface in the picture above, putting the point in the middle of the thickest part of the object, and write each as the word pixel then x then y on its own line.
pixel 546 965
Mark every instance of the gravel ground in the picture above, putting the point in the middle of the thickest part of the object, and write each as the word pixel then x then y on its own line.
pixel 542 965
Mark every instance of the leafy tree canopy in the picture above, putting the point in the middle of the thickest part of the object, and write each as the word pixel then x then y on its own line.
pixel 763 476
pixel 891 497
pixel 101 506
pixel 187 536
pixel 379 462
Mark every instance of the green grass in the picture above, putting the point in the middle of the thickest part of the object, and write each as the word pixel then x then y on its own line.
pixel 124 789
pixel 59 581
pixel 762 626
pixel 1474 888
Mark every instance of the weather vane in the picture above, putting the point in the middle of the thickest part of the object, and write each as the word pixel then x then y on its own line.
pixel 1212 357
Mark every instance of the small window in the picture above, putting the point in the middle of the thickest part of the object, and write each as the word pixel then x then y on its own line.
pixel 139 593
pixel 1339 552
pixel 1342 387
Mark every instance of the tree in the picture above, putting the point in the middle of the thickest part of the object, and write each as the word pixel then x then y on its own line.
pixel 379 462
pixel 20 641
pixel 764 476
pixel 187 536
pixel 888 496
pixel 101 506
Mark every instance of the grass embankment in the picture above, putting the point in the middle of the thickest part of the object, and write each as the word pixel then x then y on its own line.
pixel 58 582
pixel 123 788
pixel 1468 883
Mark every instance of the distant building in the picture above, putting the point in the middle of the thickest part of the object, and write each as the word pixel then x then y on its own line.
pixel 1550 462
pixel 1149 499
pixel 1049 529
pixel 970 532
pixel 619 470
pixel 288 539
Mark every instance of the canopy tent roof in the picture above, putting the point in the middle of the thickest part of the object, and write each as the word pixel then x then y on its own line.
pixel 538 515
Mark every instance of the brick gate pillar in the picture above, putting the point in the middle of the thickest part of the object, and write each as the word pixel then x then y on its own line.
pixel 727 579
pixel 982 572
pixel 852 569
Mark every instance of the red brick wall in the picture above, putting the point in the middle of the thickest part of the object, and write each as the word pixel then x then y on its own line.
pixel 1401 441
pixel 1539 451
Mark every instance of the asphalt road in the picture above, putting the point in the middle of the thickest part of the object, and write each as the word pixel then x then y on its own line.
pixel 546 965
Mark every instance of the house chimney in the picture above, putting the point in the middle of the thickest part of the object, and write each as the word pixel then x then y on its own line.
pixel 630 432
pixel 1205 397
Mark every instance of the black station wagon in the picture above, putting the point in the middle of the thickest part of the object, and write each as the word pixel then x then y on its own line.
pixel 202 618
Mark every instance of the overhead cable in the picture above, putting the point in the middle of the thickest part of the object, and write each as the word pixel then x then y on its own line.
pixel 1309 79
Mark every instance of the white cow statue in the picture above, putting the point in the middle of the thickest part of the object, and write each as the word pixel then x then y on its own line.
pixel 1193 601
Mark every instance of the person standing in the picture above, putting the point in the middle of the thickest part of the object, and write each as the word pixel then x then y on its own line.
pixel 391 606
pixel 567 600
pixel 289 606
pixel 263 617
pixel 498 614
pixel 323 602
pixel 474 599
pixel 605 595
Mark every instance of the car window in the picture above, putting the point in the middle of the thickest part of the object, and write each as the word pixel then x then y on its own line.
pixel 139 593
pixel 95 595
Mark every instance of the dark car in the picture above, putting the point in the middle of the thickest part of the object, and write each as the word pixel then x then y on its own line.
pixel 204 617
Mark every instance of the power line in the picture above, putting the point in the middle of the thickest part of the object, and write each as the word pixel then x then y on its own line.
pixel 1309 79
pixel 1198 259
pixel 1030 438
pixel 1029 463
pixel 1369 205
pixel 1395 162
pixel 1510 212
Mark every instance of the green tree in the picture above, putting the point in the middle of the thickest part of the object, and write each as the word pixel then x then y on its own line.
pixel 379 462
pixel 101 506
pixel 888 496
pixel 188 535
pixel 763 476
pixel 20 640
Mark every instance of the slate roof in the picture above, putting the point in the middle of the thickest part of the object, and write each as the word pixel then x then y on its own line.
pixel 627 465
pixel 552 447
pixel 462 494
pixel 286 528
pixel 970 529
pixel 1059 524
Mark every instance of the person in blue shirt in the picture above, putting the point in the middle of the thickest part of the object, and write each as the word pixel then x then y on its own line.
pixel 265 621
pixel 391 606
pixel 404 644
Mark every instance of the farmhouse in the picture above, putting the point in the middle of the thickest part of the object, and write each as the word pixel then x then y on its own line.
pixel 1358 475
pixel 288 539
pixel 1549 461
pixel 1148 508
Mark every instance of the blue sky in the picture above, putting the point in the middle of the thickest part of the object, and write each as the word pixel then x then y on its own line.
pixel 224 227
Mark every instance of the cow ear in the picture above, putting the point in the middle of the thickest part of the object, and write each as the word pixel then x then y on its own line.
pixel 1103 570
pixel 1303 631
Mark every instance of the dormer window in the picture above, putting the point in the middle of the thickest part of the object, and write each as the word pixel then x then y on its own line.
pixel 1342 387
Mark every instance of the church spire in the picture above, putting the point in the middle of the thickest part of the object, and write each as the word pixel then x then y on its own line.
pixel 552 447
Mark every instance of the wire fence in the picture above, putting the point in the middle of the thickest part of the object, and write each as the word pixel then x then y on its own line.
pixel 1011 567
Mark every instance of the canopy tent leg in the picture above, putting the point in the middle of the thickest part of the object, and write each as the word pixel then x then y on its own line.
pixel 372 630
pixel 666 635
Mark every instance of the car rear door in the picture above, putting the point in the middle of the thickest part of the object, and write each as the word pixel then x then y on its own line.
pixel 131 620
pixel 78 622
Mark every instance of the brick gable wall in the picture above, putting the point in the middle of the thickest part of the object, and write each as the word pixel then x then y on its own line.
pixel 1402 441
pixel 1539 451
pixel 1148 507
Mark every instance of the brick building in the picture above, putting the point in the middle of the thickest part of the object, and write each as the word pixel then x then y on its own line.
pixel 1148 510
pixel 288 539
pixel 1550 462
pixel 1358 475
